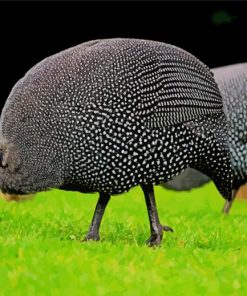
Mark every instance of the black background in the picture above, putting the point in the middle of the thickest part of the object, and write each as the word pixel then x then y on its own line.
pixel 215 32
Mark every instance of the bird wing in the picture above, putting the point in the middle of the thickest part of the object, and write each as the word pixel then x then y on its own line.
pixel 175 87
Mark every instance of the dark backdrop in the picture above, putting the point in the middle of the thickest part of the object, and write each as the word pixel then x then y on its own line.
pixel 30 31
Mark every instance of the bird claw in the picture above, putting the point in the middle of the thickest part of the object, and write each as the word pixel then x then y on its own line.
pixel 156 238
pixel 167 228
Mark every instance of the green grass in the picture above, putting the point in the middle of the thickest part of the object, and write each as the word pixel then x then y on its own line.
pixel 41 253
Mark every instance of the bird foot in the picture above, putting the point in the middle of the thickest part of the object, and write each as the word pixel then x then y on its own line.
pixel 91 237
pixel 156 238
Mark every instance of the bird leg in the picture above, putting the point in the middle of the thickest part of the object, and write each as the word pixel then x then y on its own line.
pixel 93 232
pixel 228 204
pixel 155 227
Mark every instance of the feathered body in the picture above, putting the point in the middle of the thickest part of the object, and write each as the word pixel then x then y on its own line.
pixel 107 115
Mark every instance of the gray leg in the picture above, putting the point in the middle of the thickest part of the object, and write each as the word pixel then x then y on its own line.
pixel 228 204
pixel 93 233
pixel 155 227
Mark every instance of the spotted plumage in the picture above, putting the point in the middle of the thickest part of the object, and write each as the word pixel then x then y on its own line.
pixel 232 82
pixel 107 115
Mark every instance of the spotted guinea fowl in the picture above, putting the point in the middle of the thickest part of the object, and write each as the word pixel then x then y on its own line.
pixel 232 82
pixel 110 114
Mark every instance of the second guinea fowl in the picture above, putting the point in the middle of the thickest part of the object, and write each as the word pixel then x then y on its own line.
pixel 232 82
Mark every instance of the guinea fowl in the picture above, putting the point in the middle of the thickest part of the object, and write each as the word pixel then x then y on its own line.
pixel 108 115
